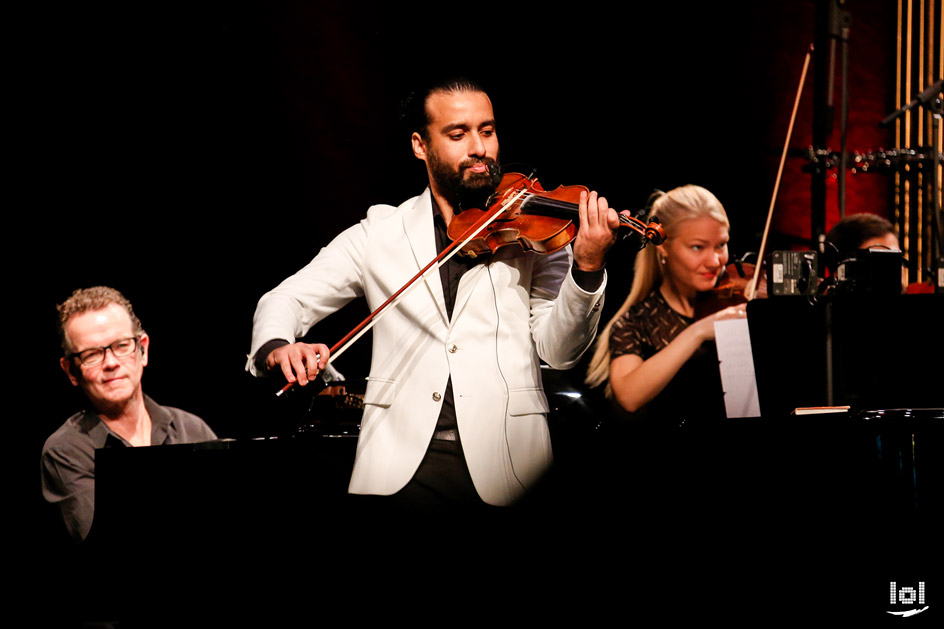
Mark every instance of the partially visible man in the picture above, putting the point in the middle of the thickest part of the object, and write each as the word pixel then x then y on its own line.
pixel 863 231
pixel 866 231
pixel 105 350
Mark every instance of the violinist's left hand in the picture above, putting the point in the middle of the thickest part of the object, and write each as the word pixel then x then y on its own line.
pixel 596 233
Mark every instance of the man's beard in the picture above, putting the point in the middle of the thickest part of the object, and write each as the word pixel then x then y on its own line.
pixel 470 191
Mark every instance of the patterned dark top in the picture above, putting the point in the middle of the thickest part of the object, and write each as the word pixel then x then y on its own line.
pixel 695 392
pixel 646 327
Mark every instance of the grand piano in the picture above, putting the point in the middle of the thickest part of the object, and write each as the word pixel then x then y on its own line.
pixel 855 496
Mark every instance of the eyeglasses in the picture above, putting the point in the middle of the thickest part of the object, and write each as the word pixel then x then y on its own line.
pixel 120 348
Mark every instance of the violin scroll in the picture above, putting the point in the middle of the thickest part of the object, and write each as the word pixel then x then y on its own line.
pixel 651 232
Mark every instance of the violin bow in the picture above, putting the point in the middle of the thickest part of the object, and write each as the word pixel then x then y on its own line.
pixel 752 286
pixel 454 247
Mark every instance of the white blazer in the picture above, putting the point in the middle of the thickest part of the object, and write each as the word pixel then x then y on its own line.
pixel 508 313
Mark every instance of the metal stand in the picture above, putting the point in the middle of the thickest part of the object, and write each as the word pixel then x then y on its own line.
pixel 840 30
pixel 930 99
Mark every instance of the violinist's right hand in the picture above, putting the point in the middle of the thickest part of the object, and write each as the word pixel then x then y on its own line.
pixel 705 327
pixel 299 362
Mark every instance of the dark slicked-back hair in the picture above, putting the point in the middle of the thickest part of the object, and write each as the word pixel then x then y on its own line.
pixel 849 233
pixel 89 300
pixel 414 117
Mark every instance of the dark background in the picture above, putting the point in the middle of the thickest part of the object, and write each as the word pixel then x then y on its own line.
pixel 194 154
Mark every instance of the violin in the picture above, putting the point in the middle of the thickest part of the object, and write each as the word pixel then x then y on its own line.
pixel 533 218
pixel 520 211
pixel 731 289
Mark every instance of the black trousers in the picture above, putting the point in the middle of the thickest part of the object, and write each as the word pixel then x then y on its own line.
pixel 441 486
pixel 441 481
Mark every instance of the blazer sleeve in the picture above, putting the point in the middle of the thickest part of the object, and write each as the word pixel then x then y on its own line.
pixel 331 280
pixel 564 317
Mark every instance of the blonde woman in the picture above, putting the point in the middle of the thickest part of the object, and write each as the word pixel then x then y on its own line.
pixel 654 354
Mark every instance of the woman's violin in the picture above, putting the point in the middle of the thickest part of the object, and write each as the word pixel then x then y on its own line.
pixel 533 218
pixel 741 282
pixel 731 289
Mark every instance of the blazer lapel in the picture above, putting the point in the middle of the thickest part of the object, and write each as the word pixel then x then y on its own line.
pixel 418 225
pixel 466 288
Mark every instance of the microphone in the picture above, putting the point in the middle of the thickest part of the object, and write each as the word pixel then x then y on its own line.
pixel 494 172
pixel 923 98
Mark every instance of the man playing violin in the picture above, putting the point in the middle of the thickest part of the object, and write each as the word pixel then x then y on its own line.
pixel 455 413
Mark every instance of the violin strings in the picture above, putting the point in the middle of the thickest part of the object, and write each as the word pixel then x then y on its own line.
pixel 556 204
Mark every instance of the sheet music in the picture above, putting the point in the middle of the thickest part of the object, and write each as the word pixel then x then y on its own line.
pixel 737 368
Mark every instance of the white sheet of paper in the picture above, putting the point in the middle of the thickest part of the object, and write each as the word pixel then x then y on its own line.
pixel 737 368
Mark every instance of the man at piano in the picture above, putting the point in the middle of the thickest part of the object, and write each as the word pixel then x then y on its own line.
pixel 455 413
pixel 105 350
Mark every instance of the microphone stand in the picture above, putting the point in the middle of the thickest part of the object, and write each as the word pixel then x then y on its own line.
pixel 839 30
pixel 938 222
pixel 930 99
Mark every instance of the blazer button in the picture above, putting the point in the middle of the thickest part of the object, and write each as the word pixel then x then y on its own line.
pixel 453 348
pixel 436 397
